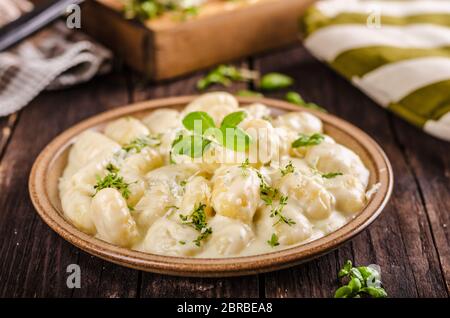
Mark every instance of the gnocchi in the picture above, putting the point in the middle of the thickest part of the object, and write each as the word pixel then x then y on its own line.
pixel 291 184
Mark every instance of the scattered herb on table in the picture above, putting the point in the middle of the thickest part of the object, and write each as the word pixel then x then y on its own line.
pixel 296 99
pixel 362 281
pixel 331 175
pixel 151 9
pixel 225 75
pixel 273 240
pixel 197 219
pixel 275 81
pixel 308 140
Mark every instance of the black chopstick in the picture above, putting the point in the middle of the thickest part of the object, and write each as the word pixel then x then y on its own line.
pixel 33 21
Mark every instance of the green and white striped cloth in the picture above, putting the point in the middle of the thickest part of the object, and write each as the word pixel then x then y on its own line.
pixel 397 52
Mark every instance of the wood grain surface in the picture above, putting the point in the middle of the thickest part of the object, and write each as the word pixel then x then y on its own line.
pixel 410 241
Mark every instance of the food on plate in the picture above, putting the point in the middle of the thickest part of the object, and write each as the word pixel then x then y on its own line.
pixel 216 179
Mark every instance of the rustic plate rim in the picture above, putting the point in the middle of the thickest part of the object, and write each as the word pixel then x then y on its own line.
pixel 219 267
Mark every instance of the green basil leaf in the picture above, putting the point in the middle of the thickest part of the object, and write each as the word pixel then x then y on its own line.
pixel 235 139
pixel 233 119
pixel 354 273
pixel 198 118
pixel 305 140
pixel 294 98
pixel 355 285
pixel 345 269
pixel 368 272
pixel 192 146
pixel 376 292
pixel 315 106
pixel 274 81
pixel 343 292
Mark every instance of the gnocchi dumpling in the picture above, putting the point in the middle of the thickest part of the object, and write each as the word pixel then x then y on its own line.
pixel 197 190
pixel 112 218
pixel 257 111
pixel 264 146
pixel 169 237
pixel 300 122
pixel 298 230
pixel 89 146
pixel 308 195
pixel 124 130
pixel 163 120
pixel 231 236
pixel 77 208
pixel 155 203
pixel 235 192
pixel 217 105
pixel 348 191
pixel 334 158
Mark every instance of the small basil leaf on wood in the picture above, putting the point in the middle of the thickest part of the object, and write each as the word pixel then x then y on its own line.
pixel 343 292
pixel 345 269
pixel 375 292
pixel 294 98
pixel 274 81
pixel 355 285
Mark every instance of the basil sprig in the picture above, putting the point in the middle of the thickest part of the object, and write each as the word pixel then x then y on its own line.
pixel 308 140
pixel 296 99
pixel 202 132
pixel 362 281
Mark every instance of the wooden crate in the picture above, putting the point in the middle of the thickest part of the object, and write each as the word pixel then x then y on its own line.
pixel 222 31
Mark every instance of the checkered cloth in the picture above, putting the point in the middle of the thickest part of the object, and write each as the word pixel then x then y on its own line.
pixel 54 58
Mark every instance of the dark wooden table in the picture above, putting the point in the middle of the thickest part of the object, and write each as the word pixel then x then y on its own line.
pixel 410 240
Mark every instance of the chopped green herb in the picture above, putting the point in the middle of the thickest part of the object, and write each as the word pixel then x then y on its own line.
pixel 273 240
pixel 362 281
pixel 274 81
pixel 245 164
pixel 288 169
pixel 139 143
pixel 266 192
pixel 331 175
pixel 113 180
pixel 277 212
pixel 204 233
pixel 112 168
pixel 197 219
pixel 182 242
pixel 306 140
